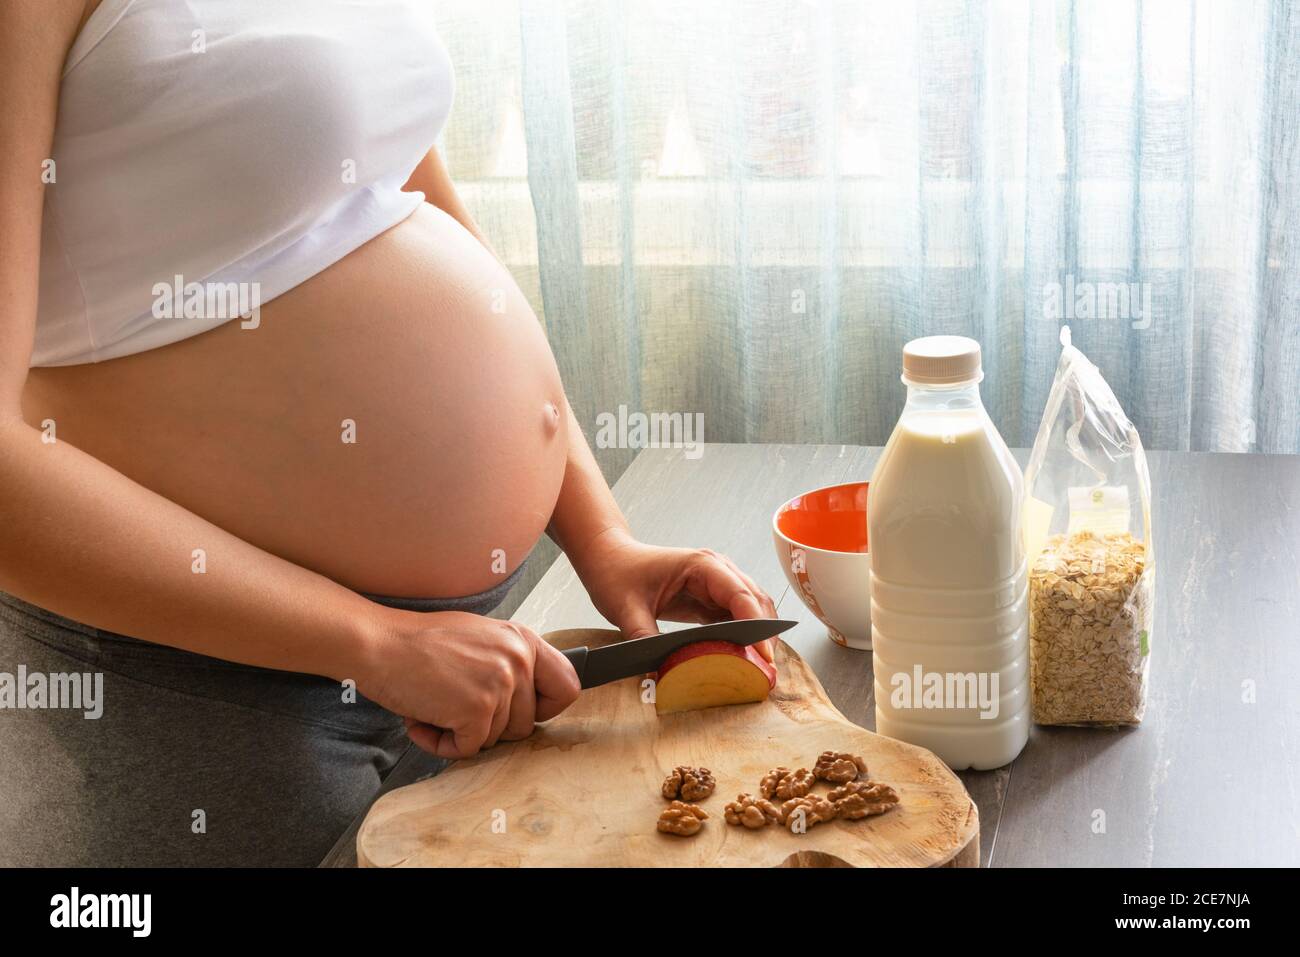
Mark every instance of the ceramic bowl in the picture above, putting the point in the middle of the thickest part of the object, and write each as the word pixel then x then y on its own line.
pixel 821 543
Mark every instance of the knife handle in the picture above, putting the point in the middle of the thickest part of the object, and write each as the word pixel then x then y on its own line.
pixel 578 658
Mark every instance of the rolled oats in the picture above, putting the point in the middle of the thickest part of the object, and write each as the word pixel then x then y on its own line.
pixel 1089 632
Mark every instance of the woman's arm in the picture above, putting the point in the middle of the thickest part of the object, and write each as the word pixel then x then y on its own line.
pixel 632 584
pixel 431 179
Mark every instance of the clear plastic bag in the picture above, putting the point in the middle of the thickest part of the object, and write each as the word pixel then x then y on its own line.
pixel 1088 542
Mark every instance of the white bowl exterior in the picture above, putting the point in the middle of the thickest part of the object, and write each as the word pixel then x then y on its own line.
pixel 834 586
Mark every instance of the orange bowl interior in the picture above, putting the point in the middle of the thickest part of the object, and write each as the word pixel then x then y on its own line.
pixel 833 519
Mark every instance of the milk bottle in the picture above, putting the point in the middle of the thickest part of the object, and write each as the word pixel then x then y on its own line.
pixel 949 582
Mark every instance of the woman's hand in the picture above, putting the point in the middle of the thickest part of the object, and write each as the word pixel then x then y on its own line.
pixel 464 682
pixel 634 585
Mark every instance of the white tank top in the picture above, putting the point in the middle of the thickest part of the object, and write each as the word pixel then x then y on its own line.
pixel 206 143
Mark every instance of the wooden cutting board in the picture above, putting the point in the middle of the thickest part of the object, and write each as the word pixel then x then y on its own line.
pixel 583 790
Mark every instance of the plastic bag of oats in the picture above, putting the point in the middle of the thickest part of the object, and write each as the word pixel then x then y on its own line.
pixel 1088 541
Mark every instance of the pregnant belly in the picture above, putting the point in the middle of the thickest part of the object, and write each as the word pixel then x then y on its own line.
pixel 396 423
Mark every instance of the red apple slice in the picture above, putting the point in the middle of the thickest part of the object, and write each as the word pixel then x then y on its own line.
pixel 706 674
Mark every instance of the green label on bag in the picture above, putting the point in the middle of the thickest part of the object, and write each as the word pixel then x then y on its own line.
pixel 1143 644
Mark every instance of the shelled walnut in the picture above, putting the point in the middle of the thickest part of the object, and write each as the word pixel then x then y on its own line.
pixel 767 786
pixel 752 812
pixel 682 819
pixel 851 787
pixel 801 813
pixel 859 799
pixel 839 767
pixel 689 784
pixel 784 784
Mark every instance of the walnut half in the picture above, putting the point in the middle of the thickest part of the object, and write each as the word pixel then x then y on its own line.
pixel 839 767
pixel 689 784
pixel 752 812
pixel 801 813
pixel 784 784
pixel 859 799
pixel 682 819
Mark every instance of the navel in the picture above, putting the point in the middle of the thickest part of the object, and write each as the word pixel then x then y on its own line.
pixel 550 418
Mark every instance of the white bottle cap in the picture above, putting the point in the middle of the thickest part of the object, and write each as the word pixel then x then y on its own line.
pixel 941 360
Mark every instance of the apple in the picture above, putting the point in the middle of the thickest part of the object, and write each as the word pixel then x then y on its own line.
pixel 706 674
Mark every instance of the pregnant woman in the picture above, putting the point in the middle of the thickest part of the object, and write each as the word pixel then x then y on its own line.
pixel 256 525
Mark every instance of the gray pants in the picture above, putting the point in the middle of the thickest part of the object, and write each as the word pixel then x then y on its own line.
pixel 194 761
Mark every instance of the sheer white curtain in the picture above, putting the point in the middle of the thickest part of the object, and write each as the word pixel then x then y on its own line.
pixel 745 209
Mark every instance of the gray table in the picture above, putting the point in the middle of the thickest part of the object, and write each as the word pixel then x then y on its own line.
pixel 1212 776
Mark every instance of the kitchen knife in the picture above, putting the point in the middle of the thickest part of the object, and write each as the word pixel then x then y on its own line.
pixel 598 666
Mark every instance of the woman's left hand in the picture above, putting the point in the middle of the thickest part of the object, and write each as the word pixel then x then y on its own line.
pixel 634 585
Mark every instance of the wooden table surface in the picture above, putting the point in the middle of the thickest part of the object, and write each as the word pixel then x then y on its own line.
pixel 1210 778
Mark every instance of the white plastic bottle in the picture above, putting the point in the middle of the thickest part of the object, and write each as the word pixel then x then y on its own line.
pixel 949 581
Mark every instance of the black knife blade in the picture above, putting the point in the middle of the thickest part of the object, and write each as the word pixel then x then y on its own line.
pixel 598 666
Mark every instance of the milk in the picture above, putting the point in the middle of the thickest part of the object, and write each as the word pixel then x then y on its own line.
pixel 949 603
